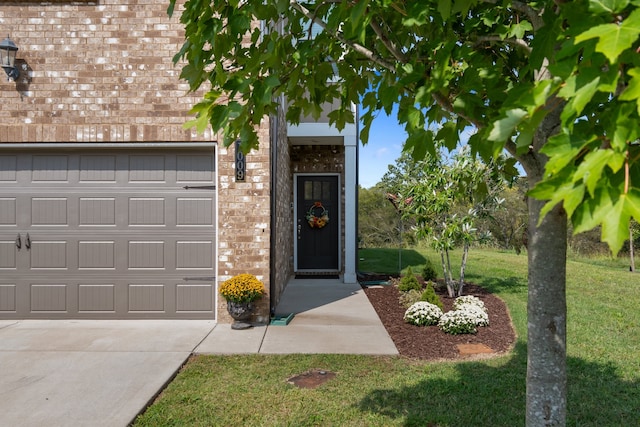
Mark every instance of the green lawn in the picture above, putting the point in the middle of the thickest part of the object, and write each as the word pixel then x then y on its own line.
pixel 603 363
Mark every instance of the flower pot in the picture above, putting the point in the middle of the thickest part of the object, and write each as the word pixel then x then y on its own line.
pixel 241 313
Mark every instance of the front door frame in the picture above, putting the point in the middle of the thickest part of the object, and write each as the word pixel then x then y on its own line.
pixel 295 216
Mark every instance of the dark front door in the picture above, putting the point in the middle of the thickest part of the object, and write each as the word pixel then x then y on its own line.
pixel 317 222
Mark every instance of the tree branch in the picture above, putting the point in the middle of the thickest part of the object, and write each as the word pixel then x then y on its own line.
pixel 516 42
pixel 533 14
pixel 367 53
pixel 388 43
pixel 446 105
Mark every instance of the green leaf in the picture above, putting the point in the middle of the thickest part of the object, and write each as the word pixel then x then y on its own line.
pixel 419 143
pixel 615 225
pixel 613 39
pixel 633 204
pixel 591 168
pixel 462 6
pixel 561 149
pixel 518 29
pixel 589 214
pixel 578 94
pixel 569 194
pixel 448 134
pixel 607 6
pixel 358 11
pixel 632 91
pixel 444 8
pixel 505 127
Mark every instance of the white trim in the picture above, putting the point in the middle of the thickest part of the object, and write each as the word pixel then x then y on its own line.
pixel 295 216
pixel 314 129
pixel 350 209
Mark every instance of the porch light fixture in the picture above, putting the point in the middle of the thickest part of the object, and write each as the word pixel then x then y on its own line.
pixel 8 51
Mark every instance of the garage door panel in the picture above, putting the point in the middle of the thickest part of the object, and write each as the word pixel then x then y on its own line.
pixel 146 211
pixel 49 297
pixel 100 168
pixel 49 211
pixel 50 168
pixel 146 255
pixel 8 169
pixel 8 211
pixel 48 255
pixel 194 211
pixel 99 211
pixel 8 255
pixel 147 168
pixel 191 168
pixel 96 255
pixel 112 235
pixel 194 298
pixel 93 298
pixel 8 297
pixel 194 255
pixel 146 297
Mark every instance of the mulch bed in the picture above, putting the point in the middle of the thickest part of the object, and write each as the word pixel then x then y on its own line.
pixel 429 342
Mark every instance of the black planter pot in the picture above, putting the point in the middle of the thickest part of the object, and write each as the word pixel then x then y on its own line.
pixel 241 313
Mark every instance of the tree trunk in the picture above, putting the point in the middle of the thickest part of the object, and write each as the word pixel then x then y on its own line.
pixel 463 267
pixel 451 286
pixel 546 345
pixel 632 265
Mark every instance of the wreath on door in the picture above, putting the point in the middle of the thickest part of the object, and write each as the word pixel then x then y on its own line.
pixel 317 216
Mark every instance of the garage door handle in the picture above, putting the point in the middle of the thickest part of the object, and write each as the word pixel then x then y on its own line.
pixel 18 242
pixel 27 242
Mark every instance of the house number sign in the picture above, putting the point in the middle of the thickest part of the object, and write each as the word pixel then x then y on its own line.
pixel 241 164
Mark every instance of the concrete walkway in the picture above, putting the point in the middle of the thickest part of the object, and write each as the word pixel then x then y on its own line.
pixel 103 373
pixel 329 317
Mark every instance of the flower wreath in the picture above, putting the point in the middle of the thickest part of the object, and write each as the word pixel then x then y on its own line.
pixel 317 221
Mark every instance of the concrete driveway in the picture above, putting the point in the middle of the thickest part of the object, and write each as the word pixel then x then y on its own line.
pixel 89 373
pixel 103 372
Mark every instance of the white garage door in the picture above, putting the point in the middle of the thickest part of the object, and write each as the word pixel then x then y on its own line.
pixel 108 234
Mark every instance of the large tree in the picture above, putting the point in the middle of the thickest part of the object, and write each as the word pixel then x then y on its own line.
pixel 555 83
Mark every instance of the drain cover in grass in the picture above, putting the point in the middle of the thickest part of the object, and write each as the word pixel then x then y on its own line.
pixel 311 379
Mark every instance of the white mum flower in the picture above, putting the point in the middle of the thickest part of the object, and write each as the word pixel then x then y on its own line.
pixel 468 300
pixel 423 313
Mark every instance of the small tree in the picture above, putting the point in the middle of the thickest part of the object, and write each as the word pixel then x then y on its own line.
pixel 446 203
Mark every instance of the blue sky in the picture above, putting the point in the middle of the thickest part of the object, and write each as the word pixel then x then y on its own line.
pixel 384 147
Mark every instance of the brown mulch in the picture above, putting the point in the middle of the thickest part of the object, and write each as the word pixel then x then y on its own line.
pixel 429 342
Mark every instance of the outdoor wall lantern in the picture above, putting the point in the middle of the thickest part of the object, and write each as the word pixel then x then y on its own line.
pixel 8 51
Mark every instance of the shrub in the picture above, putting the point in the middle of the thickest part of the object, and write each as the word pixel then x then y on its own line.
pixel 423 313
pixel 457 322
pixel 409 281
pixel 407 299
pixel 429 295
pixel 428 272
pixel 464 320
pixel 468 300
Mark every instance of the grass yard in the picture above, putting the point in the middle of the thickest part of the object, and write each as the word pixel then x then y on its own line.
pixel 603 363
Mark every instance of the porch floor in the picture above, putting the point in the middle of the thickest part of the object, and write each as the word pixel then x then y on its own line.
pixel 330 317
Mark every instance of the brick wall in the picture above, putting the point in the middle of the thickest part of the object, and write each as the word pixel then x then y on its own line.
pixel 244 220
pixel 283 256
pixel 97 71
pixel 102 71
